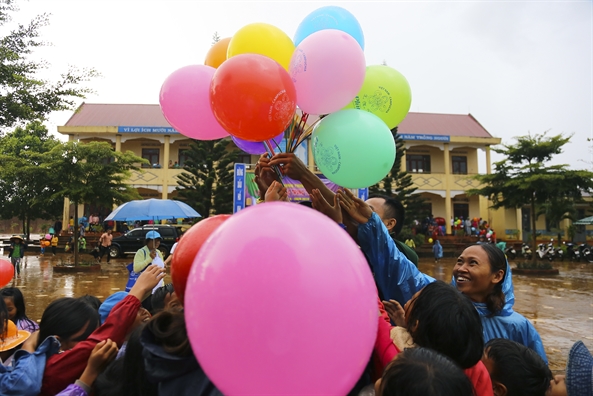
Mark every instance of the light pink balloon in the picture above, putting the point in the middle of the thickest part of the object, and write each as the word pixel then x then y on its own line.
pixel 289 307
pixel 185 103
pixel 328 69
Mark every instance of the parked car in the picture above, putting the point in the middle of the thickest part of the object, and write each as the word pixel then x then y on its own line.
pixel 131 241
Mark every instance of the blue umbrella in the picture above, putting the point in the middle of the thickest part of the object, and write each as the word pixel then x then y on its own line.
pixel 152 209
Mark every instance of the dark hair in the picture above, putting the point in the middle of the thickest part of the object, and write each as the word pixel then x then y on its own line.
pixel 136 383
pixel 111 381
pixel 442 319
pixel 423 372
pixel 168 329
pixel 520 369
pixel 157 300
pixel 65 317
pixel 393 209
pixel 495 300
pixel 91 300
pixel 19 303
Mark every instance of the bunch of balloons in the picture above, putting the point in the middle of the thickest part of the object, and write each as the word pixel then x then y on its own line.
pixel 251 85
pixel 261 285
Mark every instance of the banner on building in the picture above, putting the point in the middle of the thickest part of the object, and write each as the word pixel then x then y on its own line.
pixel 239 188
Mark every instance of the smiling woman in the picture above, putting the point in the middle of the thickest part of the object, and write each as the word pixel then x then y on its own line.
pixel 479 273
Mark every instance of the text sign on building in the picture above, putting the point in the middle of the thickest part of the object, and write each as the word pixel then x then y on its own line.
pixel 239 188
pixel 145 129
pixel 431 138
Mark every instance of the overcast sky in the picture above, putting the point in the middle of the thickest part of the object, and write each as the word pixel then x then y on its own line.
pixel 517 67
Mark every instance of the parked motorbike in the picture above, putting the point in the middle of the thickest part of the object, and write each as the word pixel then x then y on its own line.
pixel 510 252
pixel 572 252
pixel 526 251
pixel 545 252
pixel 586 252
pixel 559 253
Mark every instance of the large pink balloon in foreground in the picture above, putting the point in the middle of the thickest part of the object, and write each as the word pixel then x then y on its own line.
pixel 289 307
pixel 185 103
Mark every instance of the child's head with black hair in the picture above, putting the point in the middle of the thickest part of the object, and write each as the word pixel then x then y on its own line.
pixel 15 304
pixel 71 320
pixel 440 318
pixel 164 298
pixel 91 300
pixel 515 370
pixel 423 372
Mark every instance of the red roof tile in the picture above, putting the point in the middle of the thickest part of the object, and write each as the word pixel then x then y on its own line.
pixel 442 124
pixel 91 114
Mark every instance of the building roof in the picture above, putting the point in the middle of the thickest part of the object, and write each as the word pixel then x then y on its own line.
pixel 150 115
pixel 94 114
pixel 442 125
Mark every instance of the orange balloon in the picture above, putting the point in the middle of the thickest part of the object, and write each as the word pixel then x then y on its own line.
pixel 187 249
pixel 252 97
pixel 217 53
pixel 6 272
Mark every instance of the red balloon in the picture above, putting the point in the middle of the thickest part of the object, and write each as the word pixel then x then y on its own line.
pixel 6 272
pixel 187 249
pixel 252 97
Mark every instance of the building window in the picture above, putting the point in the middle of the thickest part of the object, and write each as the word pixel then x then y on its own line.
pixel 243 158
pixel 461 210
pixel 418 163
pixel 183 157
pixel 152 155
pixel 459 165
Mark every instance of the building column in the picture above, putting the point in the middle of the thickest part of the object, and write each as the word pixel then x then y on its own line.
pixel 448 206
pixel 66 214
pixel 488 163
pixel 118 143
pixel 519 225
pixel 165 168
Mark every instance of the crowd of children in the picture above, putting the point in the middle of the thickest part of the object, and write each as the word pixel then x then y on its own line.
pixel 433 338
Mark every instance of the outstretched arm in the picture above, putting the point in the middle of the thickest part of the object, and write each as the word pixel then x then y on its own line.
pixel 397 277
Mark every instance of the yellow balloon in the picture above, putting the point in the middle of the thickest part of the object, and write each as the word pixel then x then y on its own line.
pixel 385 93
pixel 263 39
pixel 429 240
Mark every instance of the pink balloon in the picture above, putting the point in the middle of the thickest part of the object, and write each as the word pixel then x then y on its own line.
pixel 328 69
pixel 185 103
pixel 289 307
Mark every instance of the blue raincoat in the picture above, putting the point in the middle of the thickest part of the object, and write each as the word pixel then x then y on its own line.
pixel 399 279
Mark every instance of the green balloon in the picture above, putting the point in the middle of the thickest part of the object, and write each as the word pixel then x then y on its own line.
pixel 385 93
pixel 353 148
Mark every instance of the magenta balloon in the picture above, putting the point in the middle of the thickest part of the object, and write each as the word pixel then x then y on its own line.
pixel 301 297
pixel 328 69
pixel 185 103
pixel 255 148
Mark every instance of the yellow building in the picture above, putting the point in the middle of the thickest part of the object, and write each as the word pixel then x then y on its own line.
pixel 442 155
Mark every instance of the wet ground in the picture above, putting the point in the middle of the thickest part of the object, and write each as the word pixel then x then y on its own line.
pixel 560 307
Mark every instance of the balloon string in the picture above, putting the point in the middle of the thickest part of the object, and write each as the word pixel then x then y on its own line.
pixel 270 150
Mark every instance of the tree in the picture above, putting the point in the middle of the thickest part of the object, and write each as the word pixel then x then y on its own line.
pixel 23 95
pixel 398 184
pixel 524 179
pixel 207 181
pixel 555 210
pixel 24 186
pixel 92 173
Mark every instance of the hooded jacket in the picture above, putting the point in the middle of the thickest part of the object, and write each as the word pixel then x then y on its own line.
pixel 175 375
pixel 399 279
